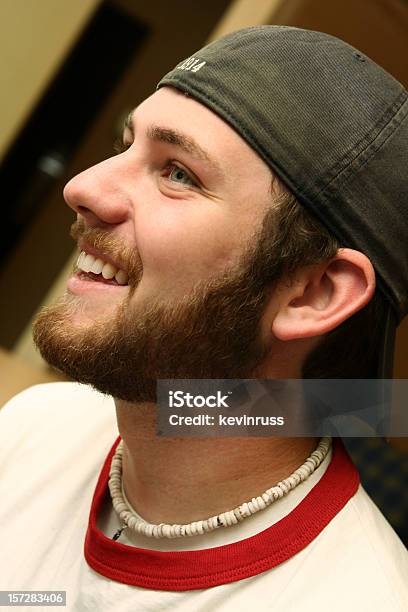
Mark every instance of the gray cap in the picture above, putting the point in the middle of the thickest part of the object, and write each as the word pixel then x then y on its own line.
pixel 332 125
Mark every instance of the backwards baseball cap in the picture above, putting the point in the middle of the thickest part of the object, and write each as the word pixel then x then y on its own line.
pixel 333 126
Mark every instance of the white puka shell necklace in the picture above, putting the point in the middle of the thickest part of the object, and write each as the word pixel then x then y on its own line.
pixel 225 519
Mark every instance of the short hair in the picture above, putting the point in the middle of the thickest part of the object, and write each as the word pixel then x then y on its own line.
pixel 349 350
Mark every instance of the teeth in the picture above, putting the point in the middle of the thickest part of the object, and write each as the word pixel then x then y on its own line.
pixel 97 266
pixel 108 271
pixel 80 259
pixel 89 263
pixel 121 277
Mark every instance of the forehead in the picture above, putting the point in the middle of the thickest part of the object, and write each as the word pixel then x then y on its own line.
pixel 172 109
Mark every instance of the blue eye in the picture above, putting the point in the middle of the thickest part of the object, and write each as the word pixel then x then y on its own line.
pixel 179 175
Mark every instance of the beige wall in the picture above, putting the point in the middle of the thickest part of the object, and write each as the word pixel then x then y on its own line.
pixel 45 30
pixel 244 13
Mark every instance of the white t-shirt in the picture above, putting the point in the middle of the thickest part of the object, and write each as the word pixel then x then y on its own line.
pixel 325 545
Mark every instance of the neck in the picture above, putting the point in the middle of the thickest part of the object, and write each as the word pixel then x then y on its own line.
pixel 180 480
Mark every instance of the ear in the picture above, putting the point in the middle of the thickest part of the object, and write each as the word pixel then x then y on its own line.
pixel 324 295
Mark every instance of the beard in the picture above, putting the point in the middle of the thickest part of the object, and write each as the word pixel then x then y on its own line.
pixel 214 332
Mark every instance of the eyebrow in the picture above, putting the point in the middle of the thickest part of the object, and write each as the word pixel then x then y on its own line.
pixel 186 143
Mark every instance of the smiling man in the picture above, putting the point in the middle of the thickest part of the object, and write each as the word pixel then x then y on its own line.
pixel 247 228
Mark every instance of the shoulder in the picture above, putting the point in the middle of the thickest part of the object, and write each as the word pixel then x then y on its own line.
pixel 365 554
pixel 357 562
pixel 380 540
pixel 54 411
pixel 51 397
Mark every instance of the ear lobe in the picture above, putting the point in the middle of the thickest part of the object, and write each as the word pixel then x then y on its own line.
pixel 324 295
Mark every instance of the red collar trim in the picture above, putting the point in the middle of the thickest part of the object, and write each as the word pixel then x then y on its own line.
pixel 201 569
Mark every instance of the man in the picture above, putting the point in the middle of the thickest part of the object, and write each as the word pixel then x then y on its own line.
pixel 253 216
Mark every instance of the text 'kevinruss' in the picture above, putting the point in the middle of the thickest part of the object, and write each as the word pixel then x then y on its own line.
pixel 243 420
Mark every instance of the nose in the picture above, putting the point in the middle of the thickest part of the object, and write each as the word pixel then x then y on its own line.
pixel 98 194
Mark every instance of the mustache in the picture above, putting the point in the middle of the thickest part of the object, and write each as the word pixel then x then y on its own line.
pixel 102 240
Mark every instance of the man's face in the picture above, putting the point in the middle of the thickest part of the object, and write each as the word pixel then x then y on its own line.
pixel 180 210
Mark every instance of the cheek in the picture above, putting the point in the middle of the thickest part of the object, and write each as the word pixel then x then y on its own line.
pixel 179 248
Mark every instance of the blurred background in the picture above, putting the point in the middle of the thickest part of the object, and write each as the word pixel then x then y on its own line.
pixel 70 72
